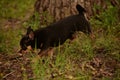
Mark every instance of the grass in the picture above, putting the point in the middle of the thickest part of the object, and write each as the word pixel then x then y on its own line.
pixel 79 60
pixel 8 40
pixel 71 60
pixel 16 9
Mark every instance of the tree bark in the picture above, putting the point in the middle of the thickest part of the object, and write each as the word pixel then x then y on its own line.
pixel 59 9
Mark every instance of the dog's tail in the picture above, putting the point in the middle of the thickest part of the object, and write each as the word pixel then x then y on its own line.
pixel 80 9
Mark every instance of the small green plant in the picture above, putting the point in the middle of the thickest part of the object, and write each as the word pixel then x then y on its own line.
pixel 87 48
pixel 106 19
pixel 9 40
pixel 2 45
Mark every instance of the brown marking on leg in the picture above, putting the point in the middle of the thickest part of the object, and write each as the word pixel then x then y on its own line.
pixel 50 52
pixel 22 51
pixel 42 53
pixel 46 52
pixel 29 48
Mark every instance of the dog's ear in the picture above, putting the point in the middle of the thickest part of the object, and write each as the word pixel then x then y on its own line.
pixel 29 29
pixel 30 33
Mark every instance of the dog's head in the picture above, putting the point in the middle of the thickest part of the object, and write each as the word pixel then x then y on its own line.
pixel 27 39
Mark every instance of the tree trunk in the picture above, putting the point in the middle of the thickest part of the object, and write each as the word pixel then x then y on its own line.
pixel 59 9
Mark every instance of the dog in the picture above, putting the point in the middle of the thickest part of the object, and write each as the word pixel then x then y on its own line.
pixel 56 33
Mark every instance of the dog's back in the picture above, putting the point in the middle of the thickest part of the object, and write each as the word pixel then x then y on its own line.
pixel 58 32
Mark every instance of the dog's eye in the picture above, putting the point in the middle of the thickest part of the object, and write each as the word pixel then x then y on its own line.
pixel 28 40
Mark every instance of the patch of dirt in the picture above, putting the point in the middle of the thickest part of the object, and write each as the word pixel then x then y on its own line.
pixel 103 67
pixel 17 67
pixel 13 67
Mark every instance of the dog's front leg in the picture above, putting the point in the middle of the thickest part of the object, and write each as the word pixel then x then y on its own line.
pixel 46 52
pixel 50 52
pixel 43 52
